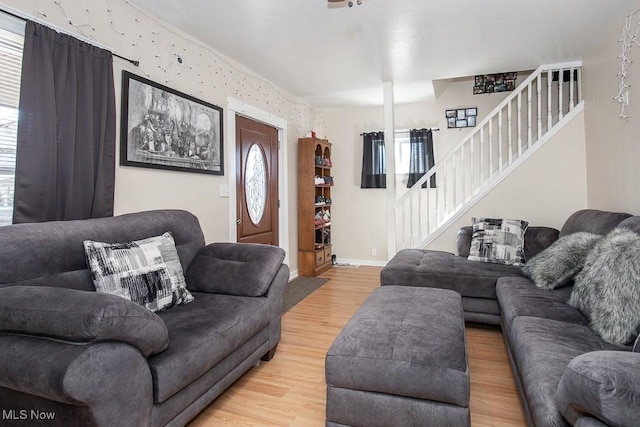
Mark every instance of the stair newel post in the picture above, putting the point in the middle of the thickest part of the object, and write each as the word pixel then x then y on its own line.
pixel 445 193
pixel 549 101
pixel 411 239
pixel 519 124
pixel 454 180
pixel 500 142
pixel 481 156
pixel 472 172
pixel 539 90
pixel 510 131
pixel 529 115
pixel 463 175
pixel 490 148
pixel 579 80
pixel 420 232
pixel 560 94
pixel 572 100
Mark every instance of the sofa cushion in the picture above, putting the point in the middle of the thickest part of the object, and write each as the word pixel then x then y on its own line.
pixel 497 240
pixel 147 271
pixel 80 317
pixel 607 290
pixel 542 349
pixel 601 385
pixel 592 221
pixel 34 250
pixel 518 296
pixel 435 269
pixel 559 263
pixel 203 333
pixel 228 268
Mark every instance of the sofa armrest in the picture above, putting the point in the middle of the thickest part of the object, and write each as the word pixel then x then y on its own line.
pixel 243 269
pixel 601 384
pixel 536 239
pixel 107 383
pixel 80 317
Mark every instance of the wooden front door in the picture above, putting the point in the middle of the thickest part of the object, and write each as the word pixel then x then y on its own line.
pixel 256 182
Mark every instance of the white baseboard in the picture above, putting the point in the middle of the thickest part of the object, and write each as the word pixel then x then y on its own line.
pixel 366 262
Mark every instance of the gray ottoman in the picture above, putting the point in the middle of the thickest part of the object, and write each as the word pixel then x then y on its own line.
pixel 400 361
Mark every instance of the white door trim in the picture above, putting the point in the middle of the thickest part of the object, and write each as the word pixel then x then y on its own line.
pixel 236 107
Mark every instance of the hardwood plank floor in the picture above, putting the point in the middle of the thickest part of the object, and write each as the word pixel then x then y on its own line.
pixel 290 389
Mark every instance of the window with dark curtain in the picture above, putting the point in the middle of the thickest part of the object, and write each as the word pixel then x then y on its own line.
pixel 374 169
pixel 421 157
pixel 65 160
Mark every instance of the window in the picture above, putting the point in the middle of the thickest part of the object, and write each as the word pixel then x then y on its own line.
pixel 403 152
pixel 374 167
pixel 11 44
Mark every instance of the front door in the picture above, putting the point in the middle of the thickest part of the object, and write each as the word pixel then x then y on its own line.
pixel 256 182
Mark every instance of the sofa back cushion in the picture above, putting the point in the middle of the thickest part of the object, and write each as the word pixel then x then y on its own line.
pixel 227 268
pixel 52 253
pixel 592 221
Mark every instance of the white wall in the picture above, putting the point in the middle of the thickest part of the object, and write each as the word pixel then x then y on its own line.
pixel 613 144
pixel 544 190
pixel 204 74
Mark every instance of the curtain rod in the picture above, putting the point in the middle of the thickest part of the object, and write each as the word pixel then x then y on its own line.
pixel 26 17
pixel 407 130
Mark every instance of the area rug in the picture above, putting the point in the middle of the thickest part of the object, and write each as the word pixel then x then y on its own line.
pixel 300 288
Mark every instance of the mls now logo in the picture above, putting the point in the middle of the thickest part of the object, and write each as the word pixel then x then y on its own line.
pixel 23 414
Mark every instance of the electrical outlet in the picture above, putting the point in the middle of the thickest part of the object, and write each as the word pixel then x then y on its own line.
pixel 373 251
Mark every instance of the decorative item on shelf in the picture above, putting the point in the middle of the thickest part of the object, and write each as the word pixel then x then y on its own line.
pixel 320 201
pixel 328 180
pixel 490 83
pixel 461 117
pixel 318 180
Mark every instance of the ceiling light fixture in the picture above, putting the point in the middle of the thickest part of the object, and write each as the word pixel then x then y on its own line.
pixel 349 3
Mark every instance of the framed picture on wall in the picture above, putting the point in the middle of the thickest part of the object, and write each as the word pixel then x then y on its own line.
pixel 162 128
pixel 461 117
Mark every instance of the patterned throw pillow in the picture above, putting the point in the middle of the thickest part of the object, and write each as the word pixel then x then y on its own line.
pixel 499 241
pixel 147 272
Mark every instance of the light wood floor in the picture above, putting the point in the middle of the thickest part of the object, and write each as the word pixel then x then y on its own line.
pixel 290 389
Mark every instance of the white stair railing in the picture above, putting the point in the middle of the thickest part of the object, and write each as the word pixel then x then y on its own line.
pixel 497 145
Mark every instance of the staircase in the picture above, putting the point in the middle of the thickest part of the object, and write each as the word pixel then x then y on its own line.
pixel 548 99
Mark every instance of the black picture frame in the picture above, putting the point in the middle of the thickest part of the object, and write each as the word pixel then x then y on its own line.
pixel 461 117
pixel 498 82
pixel 162 128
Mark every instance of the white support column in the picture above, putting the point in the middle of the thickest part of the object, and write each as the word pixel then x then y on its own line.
pixel 389 132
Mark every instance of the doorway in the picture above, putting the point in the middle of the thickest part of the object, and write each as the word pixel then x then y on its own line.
pixel 257 195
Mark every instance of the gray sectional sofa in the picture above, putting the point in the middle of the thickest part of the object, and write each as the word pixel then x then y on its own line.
pixel 565 372
pixel 89 358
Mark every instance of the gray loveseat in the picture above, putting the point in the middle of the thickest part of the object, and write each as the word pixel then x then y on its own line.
pixel 88 358
pixel 566 374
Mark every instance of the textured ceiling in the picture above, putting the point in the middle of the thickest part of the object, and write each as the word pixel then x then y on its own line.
pixel 329 54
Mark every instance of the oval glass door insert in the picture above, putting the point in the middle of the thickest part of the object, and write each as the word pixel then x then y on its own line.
pixel 255 183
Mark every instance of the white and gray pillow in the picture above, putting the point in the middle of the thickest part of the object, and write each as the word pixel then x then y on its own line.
pixel 147 272
pixel 607 290
pixel 558 264
pixel 498 240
